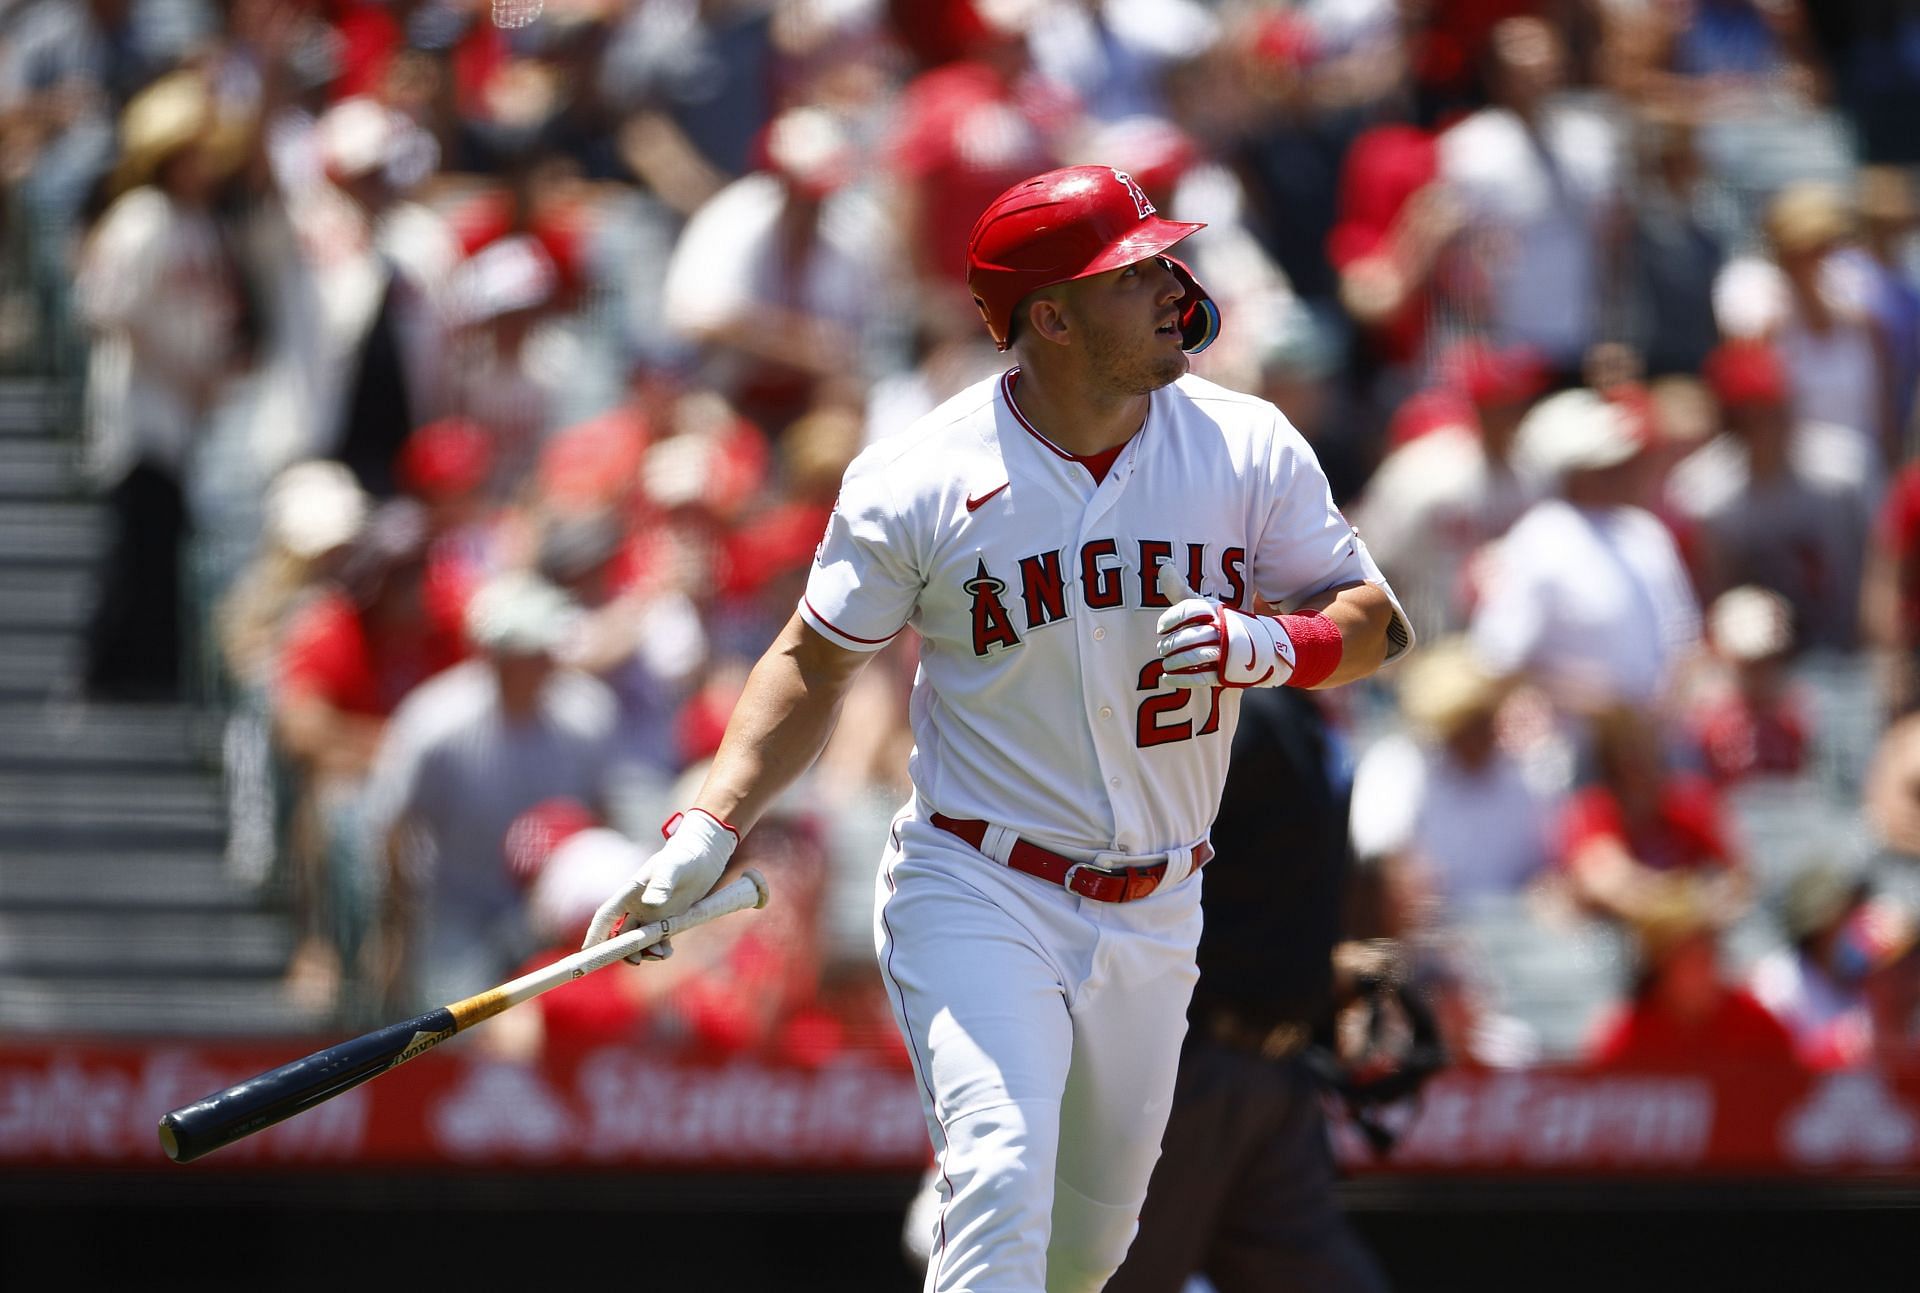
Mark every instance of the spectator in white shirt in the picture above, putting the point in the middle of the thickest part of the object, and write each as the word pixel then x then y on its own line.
pixel 779 277
pixel 1587 594
pixel 1537 177
pixel 1804 300
pixel 161 293
pixel 1444 806
pixel 1438 499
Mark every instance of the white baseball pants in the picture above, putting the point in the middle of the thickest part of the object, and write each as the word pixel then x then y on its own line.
pixel 1045 1032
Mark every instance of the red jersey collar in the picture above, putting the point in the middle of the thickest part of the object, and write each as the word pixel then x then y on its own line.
pixel 1097 463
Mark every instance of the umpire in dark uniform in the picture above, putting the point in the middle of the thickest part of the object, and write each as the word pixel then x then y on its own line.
pixel 1243 1192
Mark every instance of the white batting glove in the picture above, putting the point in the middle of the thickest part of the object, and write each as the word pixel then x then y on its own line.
pixel 1205 644
pixel 678 875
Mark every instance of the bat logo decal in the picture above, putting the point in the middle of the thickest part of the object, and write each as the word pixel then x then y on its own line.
pixel 420 1042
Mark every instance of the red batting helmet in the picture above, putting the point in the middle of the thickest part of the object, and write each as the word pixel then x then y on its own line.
pixel 1073 223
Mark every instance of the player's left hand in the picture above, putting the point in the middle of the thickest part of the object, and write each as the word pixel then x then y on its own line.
pixel 1206 644
pixel 678 875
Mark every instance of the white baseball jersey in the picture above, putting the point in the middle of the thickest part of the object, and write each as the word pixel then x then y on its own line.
pixel 1038 705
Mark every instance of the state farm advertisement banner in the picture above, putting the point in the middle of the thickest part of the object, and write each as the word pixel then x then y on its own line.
pixel 1734 1121
pixel 99 1105
pixel 96 1106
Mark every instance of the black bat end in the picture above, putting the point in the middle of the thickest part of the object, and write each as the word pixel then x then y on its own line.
pixel 187 1138
pixel 197 1129
pixel 169 1139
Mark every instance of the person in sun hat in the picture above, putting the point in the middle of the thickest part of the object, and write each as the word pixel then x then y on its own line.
pixel 314 511
pixel 1683 1009
pixel 1799 298
pixel 161 294
pixel 1442 806
pixel 500 304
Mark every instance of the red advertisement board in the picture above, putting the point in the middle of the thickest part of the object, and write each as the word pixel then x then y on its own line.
pixel 95 1105
pixel 88 1105
pixel 1724 1122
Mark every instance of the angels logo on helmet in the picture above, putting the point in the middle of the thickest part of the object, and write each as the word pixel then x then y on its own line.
pixel 1141 203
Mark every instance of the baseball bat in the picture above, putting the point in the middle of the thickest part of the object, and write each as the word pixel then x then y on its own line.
pixel 197 1129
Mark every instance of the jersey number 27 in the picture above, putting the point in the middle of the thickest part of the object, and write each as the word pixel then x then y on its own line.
pixel 1149 731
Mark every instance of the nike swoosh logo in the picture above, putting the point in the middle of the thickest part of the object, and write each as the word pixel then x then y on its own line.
pixel 973 504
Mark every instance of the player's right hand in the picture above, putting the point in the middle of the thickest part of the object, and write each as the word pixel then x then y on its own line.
pixel 678 875
pixel 1206 644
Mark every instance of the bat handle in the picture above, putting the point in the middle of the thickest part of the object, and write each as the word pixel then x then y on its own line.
pixel 748 891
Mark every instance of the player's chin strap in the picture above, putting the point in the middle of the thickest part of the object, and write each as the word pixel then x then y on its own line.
pixel 1199 316
pixel 1380 1080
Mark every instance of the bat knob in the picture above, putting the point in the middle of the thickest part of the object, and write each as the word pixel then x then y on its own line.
pixel 169 1141
pixel 760 889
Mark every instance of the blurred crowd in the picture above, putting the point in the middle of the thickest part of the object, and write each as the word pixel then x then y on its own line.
pixel 470 401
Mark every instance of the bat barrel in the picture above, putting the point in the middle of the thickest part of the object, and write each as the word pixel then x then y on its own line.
pixel 194 1130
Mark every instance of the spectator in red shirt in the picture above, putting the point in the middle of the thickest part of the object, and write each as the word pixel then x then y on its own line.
pixel 314 510
pixel 770 546
pixel 373 40
pixel 1753 724
pixel 1684 1011
pixel 1394 222
pixel 1640 823
pixel 543 200
pixel 967 131
pixel 350 655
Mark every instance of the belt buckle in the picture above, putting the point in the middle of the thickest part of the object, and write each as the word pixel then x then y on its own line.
pixel 1067 881
pixel 1098 873
pixel 1134 881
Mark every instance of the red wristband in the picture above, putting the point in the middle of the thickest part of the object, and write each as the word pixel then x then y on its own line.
pixel 1316 647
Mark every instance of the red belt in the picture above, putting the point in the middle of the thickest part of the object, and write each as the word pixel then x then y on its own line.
pixel 1100 883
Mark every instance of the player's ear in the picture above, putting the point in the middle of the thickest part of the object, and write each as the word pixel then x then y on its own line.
pixel 1047 318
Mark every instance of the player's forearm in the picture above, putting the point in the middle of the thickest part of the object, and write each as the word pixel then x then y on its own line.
pixel 780 725
pixel 1362 613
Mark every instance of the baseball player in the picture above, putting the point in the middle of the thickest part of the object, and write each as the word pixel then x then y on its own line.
pixel 1089 547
